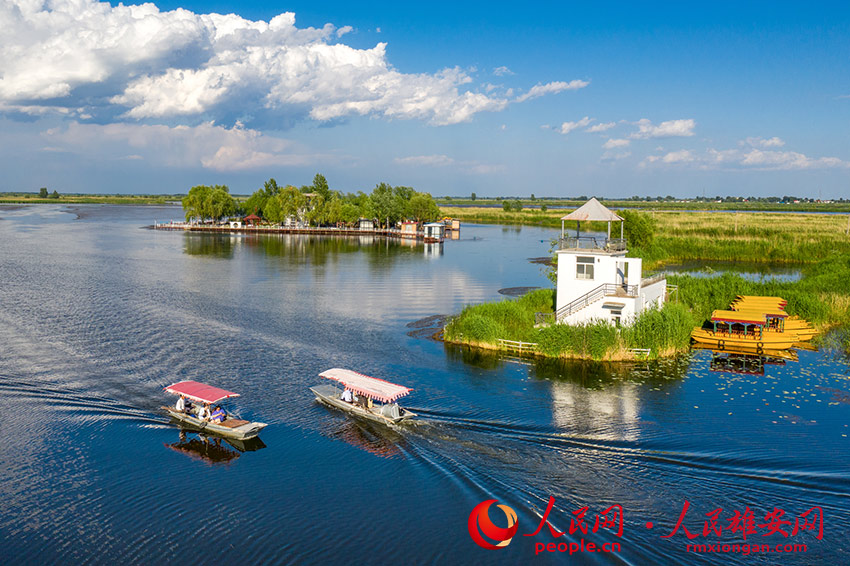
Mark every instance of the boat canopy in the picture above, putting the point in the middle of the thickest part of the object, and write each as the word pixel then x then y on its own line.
pixel 738 317
pixel 200 392
pixel 760 298
pixel 371 387
pixel 768 312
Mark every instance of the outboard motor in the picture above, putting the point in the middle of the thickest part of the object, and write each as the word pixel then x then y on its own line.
pixel 390 411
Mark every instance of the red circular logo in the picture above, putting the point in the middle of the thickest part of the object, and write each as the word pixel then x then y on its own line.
pixel 480 526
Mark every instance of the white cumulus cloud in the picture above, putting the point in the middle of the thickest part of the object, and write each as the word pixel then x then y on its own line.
pixel 668 129
pixel 89 58
pixel 207 145
pixel 568 127
pixel 787 160
pixel 551 88
pixel 762 142
pixel 604 127
pixel 753 159
pixel 446 161
pixel 614 143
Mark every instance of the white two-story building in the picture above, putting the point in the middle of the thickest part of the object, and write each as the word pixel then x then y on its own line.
pixel 596 281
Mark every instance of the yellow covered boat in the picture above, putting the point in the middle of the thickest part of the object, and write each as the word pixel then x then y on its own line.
pixel 737 329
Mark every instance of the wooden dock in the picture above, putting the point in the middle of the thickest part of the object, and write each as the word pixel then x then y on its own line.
pixel 324 231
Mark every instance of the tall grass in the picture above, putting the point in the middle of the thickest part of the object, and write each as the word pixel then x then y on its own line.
pixel 661 330
pixel 822 296
pixel 508 319
pixel 762 237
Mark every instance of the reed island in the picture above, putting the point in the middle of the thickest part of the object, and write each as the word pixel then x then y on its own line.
pixel 609 302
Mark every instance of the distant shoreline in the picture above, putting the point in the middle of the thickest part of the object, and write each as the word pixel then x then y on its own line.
pixel 92 199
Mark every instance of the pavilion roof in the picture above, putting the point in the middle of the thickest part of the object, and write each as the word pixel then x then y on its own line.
pixel 592 210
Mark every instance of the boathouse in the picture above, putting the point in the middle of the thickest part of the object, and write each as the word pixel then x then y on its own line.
pixel 596 280
pixel 434 232
pixel 409 229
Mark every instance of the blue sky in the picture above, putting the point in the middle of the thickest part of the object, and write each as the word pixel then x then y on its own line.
pixel 500 99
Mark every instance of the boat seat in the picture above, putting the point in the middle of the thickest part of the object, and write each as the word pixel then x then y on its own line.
pixel 233 423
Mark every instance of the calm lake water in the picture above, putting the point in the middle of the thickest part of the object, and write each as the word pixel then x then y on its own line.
pixel 98 315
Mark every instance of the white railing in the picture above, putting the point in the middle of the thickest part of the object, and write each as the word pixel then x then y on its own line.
pixel 517 346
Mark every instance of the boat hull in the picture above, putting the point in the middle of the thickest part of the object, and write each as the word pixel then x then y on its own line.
pixel 330 395
pixel 768 341
pixel 242 432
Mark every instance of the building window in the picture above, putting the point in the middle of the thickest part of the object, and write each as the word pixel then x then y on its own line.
pixel 584 268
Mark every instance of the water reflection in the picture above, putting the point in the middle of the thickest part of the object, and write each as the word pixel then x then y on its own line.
pixel 219 246
pixel 378 440
pixel 304 248
pixel 213 450
pixel 475 357
pixel 749 363
pixel 588 398
pixel 748 270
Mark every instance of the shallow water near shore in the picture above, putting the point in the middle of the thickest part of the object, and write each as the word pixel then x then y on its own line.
pixel 98 315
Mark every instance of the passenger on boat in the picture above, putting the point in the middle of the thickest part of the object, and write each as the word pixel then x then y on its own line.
pixel 347 396
pixel 218 415
pixel 181 404
pixel 204 412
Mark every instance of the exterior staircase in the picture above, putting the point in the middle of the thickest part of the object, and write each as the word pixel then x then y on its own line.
pixel 604 290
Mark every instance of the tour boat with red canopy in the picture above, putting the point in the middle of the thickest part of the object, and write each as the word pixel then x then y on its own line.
pixel 360 392
pixel 204 395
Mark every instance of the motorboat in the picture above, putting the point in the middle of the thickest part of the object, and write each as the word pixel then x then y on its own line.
pixel 370 397
pixel 205 395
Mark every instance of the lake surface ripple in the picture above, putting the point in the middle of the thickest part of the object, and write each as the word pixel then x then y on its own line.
pixel 98 315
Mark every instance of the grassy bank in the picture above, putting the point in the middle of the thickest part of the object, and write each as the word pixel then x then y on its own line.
pixel 821 296
pixel 761 237
pixel 450 203
pixel 31 198
pixel 664 331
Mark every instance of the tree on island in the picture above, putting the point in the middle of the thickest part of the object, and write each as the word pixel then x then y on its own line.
pixel 320 205
pixel 257 202
pixel 204 202
pixel 42 192
pixel 639 228
pixel 421 207
pixel 54 195
pixel 387 204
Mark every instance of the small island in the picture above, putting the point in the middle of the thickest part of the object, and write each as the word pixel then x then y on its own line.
pixel 621 314
pixel 315 205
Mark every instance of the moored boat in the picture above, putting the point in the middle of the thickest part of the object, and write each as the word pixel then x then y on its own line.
pixel 363 396
pixel 206 395
pixel 742 329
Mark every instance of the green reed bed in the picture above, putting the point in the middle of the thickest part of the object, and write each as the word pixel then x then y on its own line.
pixel 821 296
pixel 661 331
pixel 750 237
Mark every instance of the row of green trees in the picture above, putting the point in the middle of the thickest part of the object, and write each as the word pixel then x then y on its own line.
pixel 212 203
pixel 316 204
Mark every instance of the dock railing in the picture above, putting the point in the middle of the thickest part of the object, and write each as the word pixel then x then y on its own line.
pixel 518 347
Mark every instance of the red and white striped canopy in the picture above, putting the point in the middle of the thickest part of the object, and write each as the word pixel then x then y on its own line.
pixel 200 392
pixel 371 387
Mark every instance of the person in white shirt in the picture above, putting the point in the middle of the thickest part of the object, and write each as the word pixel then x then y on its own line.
pixel 204 412
pixel 184 405
pixel 347 396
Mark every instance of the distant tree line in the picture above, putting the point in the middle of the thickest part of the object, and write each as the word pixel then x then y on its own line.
pixel 316 204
